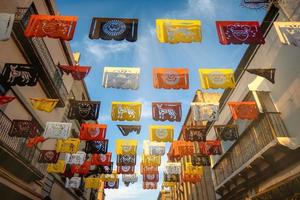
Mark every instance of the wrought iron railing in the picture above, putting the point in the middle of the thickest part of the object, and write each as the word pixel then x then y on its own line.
pixel 258 135
pixel 18 145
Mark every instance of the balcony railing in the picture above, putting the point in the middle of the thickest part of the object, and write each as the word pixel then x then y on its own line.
pixel 18 145
pixel 257 136
pixel 37 52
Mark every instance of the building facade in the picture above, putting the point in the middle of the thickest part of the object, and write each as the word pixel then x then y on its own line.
pixel 21 176
pixel 263 163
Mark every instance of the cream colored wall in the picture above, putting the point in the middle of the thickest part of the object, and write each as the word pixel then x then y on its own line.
pixel 58 192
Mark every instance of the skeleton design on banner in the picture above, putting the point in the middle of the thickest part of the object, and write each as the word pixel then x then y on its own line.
pixel 173 168
pixel 76 159
pixel 57 130
pixel 62 27
pixel 150 177
pixel 149 185
pixel 126 160
pixel 171 177
pixel 239 32
pixel 70 145
pixel 48 156
pixel 78 72
pixel 171 78
pixel 194 133
pixel 92 132
pixel 210 147
pixel 126 129
pixel 121 77
pixel 243 110
pixel 200 160
pixel 162 111
pixel 73 182
pixel 19 74
pixel 111 184
pixel 6 24
pixel 176 31
pixel 227 132
pixel 125 169
pixel 101 159
pixel 288 32
pixel 114 29
pixel 84 110
pixel 161 133
pixel 268 74
pixel 129 111
pixel 154 148
pixel 97 147
pixel 23 128
pixel 205 111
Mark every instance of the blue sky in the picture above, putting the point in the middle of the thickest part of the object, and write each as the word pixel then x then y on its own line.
pixel 147 53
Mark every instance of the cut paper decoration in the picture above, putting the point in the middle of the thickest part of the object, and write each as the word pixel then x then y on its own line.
pixel 210 147
pixel 239 32
pixel 171 177
pixel 243 110
pixel 150 177
pixel 173 168
pixel 131 178
pixel 84 110
pixel 148 169
pixel 217 78
pixel 126 147
pixel 92 132
pixel 154 148
pixel 23 128
pixel 168 184
pixel 77 158
pixel 191 178
pixel 101 159
pixel 268 74
pixel 57 130
pixel 149 185
pixel 126 129
pixel 6 24
pixel 31 142
pixel 288 32
pixel 81 169
pixel 43 104
pixel 255 4
pixel 175 31
pixel 200 160
pixel 171 78
pixel 76 56
pixel 121 77
pixel 92 183
pixel 61 27
pixel 161 133
pixel 114 29
pixel 148 160
pixel 182 148
pixel 126 160
pixel 109 177
pixel 70 145
pixel 162 111
pixel 190 169
pixel 194 133
pixel 106 169
pixel 58 167
pixel 111 184
pixel 74 182
pixel 125 169
pixel 48 156
pixel 126 111
pixel 227 132
pixel 19 74
pixel 97 147
pixel 205 111
pixel 78 72
pixel 6 99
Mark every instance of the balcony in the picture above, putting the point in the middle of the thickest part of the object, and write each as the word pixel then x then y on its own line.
pixel 36 52
pixel 14 153
pixel 256 155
